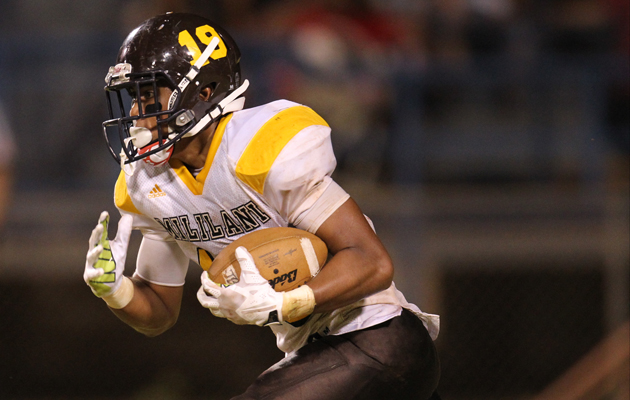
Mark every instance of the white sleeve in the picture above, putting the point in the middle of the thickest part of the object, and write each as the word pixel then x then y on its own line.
pixel 161 262
pixel 299 183
pixel 148 226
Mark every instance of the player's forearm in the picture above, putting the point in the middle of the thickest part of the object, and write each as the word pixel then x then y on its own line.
pixel 360 266
pixel 350 276
pixel 147 312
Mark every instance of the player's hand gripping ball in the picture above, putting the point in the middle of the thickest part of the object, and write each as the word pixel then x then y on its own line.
pixel 286 257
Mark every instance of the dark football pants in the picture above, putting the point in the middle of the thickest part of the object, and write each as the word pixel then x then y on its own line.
pixel 395 360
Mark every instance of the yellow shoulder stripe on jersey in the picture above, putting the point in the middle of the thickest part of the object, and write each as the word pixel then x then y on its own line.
pixel 121 196
pixel 196 184
pixel 261 152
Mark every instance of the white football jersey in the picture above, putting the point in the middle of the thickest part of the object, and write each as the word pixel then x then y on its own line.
pixel 268 166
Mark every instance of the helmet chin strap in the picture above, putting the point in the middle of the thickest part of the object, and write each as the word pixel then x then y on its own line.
pixel 194 70
pixel 128 169
pixel 160 157
pixel 141 138
pixel 229 104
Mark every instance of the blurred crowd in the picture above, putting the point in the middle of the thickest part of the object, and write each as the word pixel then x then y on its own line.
pixel 380 71
pixel 7 153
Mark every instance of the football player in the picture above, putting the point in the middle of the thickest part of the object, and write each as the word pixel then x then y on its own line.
pixel 198 171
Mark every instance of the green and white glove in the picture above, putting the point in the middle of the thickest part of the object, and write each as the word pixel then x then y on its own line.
pixel 105 262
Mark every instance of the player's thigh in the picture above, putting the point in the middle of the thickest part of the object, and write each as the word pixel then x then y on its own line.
pixel 402 344
pixel 407 354
pixel 393 359
pixel 326 369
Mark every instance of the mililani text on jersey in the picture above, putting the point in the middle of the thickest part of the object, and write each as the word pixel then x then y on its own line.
pixel 201 227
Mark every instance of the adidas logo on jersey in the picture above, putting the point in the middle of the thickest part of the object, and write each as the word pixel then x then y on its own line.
pixel 156 192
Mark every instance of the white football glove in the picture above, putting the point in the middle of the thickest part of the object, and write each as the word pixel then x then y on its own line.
pixel 105 260
pixel 251 301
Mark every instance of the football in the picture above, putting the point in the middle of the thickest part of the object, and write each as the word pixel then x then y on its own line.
pixel 286 257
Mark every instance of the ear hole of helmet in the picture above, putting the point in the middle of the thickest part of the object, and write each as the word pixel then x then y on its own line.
pixel 205 94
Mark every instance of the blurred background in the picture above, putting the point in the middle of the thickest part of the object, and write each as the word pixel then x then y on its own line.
pixel 487 139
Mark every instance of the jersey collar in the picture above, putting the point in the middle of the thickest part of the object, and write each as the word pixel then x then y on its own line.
pixel 196 184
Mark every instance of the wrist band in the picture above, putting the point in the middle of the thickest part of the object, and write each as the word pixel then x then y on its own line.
pixel 297 303
pixel 122 296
